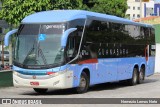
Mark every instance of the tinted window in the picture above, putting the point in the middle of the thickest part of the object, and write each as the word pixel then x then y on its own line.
pixel 109 32
pixel 74 38
pixel 105 39
pixel 6 52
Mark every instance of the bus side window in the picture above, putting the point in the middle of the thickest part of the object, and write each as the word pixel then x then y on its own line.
pixel 73 45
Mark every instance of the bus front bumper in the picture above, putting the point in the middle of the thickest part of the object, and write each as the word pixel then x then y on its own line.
pixel 56 81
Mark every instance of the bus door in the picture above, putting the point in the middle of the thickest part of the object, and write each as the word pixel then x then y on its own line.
pixel 72 50
pixel 150 59
pixel 150 51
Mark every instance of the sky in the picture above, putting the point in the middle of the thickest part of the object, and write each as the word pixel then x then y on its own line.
pixel 157 1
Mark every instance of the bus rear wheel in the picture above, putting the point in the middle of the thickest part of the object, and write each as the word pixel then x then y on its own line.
pixel 141 76
pixel 134 79
pixel 40 90
pixel 84 84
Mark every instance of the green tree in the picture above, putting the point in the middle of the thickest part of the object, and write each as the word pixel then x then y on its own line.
pixel 111 7
pixel 68 4
pixel 13 11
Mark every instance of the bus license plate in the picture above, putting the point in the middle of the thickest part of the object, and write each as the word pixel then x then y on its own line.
pixel 34 83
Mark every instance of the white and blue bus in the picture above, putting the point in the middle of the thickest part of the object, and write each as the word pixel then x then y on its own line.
pixel 62 49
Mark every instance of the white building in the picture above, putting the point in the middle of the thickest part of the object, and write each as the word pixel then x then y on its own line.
pixel 149 8
pixel 134 11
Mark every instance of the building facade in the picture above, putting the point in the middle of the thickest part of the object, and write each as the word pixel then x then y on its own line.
pixel 149 8
pixel 136 9
pixel 133 10
pixel 157 9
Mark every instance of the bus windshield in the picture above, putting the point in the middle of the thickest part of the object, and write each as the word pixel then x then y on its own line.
pixel 39 44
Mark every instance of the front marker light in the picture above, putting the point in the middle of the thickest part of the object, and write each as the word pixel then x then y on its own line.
pixel 50 73
pixel 56 73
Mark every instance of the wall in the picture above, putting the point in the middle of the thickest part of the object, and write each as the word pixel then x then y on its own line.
pixel 157 60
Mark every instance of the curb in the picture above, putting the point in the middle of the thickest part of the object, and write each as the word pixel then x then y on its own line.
pixel 157 73
pixel 6 78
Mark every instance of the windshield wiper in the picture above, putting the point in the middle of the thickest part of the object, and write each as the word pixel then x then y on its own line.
pixel 30 51
pixel 43 57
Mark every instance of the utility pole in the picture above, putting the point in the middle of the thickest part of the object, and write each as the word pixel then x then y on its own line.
pixel 10 48
pixel 2 53
pixel 2 42
pixel 10 53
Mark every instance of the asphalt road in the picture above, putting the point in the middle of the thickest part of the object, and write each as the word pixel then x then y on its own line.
pixel 149 89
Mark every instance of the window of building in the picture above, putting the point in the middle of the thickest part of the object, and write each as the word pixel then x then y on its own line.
pixel 128 7
pixel 133 8
pixel 138 8
pixel 133 15
pixel 137 0
pixel 138 15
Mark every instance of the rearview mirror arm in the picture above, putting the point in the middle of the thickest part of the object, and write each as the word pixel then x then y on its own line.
pixel 7 36
pixel 65 36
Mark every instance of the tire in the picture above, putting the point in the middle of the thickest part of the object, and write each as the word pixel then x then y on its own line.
pixel 141 76
pixel 84 84
pixel 134 79
pixel 40 90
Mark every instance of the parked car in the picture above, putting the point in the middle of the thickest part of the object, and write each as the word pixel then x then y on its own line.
pixel 6 55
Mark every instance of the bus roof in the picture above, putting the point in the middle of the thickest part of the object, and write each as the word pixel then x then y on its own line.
pixel 55 16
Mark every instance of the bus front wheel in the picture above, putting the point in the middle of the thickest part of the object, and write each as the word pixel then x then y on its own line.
pixel 40 90
pixel 134 79
pixel 84 84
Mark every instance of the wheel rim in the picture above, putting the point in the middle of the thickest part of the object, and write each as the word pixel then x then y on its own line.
pixel 83 83
pixel 141 75
pixel 135 77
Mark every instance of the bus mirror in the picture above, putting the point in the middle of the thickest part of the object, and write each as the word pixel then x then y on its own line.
pixel 65 36
pixel 6 38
